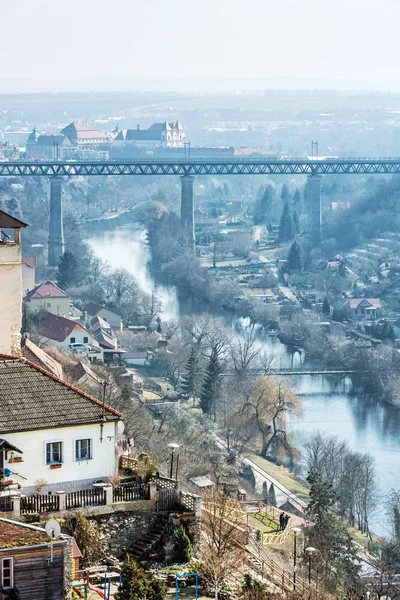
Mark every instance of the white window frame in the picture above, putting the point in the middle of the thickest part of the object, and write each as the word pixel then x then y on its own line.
pixel 7 587
pixel 58 462
pixel 76 440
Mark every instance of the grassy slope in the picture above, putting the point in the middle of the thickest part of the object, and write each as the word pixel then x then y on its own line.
pixel 283 476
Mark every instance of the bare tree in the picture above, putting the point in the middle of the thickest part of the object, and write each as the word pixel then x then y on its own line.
pixel 224 532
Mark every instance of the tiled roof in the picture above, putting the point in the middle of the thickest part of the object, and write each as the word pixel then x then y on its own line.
pixel 29 261
pixel 80 370
pixel 32 399
pixel 51 139
pixel 59 328
pixel 367 303
pixel 47 289
pixel 9 222
pixel 164 126
pixel 81 130
pixel 92 308
pixel 40 358
pixel 97 322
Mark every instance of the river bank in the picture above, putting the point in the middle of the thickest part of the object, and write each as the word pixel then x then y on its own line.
pixel 329 402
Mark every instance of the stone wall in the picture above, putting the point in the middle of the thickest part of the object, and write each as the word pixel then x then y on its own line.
pixel 120 530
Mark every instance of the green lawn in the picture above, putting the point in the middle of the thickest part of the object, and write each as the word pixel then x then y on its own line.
pixel 283 476
pixel 263 523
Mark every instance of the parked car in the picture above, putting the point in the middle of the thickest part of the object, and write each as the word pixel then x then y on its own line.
pixel 79 347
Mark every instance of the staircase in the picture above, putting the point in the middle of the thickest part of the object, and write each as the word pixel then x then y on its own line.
pixel 143 545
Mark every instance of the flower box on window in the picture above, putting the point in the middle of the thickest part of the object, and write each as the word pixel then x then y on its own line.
pixel 7 482
pixel 17 459
pixel 56 466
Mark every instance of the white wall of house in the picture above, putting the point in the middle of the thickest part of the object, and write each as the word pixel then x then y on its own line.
pixel 28 278
pixel 77 337
pixel 111 317
pixel 56 306
pixel 73 474
pixel 10 298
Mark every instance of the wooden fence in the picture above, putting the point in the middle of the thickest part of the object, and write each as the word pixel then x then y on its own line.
pixel 93 497
pixel 39 504
pixel 6 504
pixel 133 491
pixel 168 499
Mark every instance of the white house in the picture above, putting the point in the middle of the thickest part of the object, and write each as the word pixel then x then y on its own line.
pixel 61 332
pixel 367 308
pixel 52 432
pixel 92 309
pixel 48 296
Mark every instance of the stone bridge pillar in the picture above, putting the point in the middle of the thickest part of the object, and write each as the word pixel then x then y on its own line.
pixel 314 207
pixel 56 234
pixel 187 209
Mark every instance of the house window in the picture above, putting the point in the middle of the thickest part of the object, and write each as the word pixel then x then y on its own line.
pixel 7 574
pixel 83 449
pixel 48 304
pixel 85 340
pixel 73 340
pixel 54 453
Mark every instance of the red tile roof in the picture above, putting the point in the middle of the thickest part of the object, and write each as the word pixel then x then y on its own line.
pixel 82 130
pixel 47 289
pixel 59 328
pixel 29 261
pixel 32 399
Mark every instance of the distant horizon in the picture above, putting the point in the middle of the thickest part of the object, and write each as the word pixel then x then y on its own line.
pixel 206 86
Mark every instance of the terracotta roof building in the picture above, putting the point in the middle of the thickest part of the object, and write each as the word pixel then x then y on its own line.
pixel 48 296
pixel 81 133
pixel 64 331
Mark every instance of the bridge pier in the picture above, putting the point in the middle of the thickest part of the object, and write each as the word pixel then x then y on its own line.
pixel 187 209
pixel 314 207
pixel 56 233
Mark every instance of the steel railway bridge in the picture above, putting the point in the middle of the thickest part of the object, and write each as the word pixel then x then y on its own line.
pixel 187 168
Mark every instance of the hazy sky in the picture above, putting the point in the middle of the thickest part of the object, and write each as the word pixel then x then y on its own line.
pixel 113 44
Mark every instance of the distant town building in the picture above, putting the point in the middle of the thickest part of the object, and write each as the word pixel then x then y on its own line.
pixel 81 133
pixel 165 134
pixel 48 296
pixel 52 146
pixel 16 138
pixel 364 307
pixel 92 309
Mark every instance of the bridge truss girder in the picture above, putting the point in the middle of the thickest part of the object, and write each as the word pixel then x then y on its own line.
pixel 201 167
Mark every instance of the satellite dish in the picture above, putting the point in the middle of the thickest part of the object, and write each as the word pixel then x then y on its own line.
pixel 121 427
pixel 53 529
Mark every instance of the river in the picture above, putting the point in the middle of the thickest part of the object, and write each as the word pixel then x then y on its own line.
pixel 328 404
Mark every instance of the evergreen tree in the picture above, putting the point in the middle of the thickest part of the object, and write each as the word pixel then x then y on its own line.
pixel 188 384
pixel 156 589
pixel 285 195
pixel 328 532
pixel 286 226
pixel 295 258
pixel 182 546
pixel 211 384
pixel 264 205
pixel 296 222
pixel 134 583
pixel 396 522
pixel 326 307
pixel 68 271
pixel 297 200
pixel 272 495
